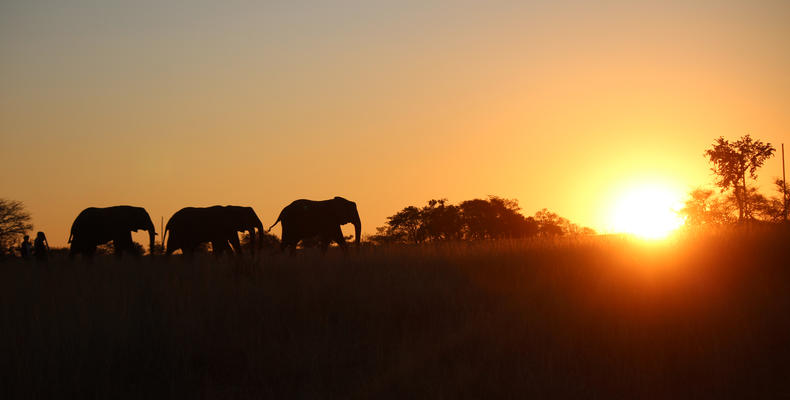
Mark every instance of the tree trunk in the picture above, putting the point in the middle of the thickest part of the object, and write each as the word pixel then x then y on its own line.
pixel 745 201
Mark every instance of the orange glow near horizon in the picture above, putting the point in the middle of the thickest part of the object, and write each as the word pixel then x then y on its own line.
pixel 565 105
pixel 649 211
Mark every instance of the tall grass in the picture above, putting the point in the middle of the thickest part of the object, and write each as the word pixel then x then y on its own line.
pixel 696 316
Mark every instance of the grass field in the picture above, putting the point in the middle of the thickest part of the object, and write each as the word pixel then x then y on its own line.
pixel 696 316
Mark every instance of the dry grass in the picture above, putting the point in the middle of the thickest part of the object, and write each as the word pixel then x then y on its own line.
pixel 702 316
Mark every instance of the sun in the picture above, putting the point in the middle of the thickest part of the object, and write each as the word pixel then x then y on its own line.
pixel 647 211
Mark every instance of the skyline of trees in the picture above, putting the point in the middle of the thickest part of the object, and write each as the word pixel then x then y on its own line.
pixel 476 219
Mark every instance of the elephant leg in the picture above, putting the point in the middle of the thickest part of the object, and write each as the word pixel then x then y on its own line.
pixel 325 242
pixel 292 247
pixel 234 240
pixel 78 247
pixel 123 242
pixel 220 246
pixel 83 248
pixel 292 235
pixel 188 251
pixel 227 247
pixel 288 241
pixel 88 252
pixel 169 247
pixel 337 236
pixel 172 249
pixel 73 251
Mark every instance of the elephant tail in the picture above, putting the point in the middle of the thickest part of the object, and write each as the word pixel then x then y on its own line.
pixel 164 235
pixel 279 218
pixel 71 232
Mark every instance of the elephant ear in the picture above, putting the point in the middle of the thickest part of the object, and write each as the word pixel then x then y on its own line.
pixel 339 213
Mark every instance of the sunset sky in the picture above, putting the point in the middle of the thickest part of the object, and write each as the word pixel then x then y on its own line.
pixel 563 105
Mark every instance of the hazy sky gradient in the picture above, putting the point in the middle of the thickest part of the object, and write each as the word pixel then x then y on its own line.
pixel 171 104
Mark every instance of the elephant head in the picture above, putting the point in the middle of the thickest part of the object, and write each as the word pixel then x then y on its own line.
pixel 245 219
pixel 139 219
pixel 345 212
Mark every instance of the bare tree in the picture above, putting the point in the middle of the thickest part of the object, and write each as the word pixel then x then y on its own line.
pixel 14 222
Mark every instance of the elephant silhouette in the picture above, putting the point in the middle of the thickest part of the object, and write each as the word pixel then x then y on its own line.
pixel 191 226
pixel 305 219
pixel 95 226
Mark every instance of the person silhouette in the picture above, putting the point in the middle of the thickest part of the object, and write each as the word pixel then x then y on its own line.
pixel 25 248
pixel 41 247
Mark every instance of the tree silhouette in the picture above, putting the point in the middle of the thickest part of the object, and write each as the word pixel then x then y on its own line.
pixel 768 209
pixel 784 199
pixel 476 219
pixel 495 218
pixel 551 224
pixel 384 236
pixel 407 224
pixel 697 207
pixel 704 208
pixel 14 222
pixel 442 221
pixel 732 162
pixel 509 222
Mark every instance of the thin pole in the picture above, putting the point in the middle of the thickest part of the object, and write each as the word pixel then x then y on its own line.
pixel 784 181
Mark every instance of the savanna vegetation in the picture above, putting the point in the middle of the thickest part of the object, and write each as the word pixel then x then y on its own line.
pixel 703 315
pixel 737 202
pixel 14 223
pixel 477 219
pixel 466 300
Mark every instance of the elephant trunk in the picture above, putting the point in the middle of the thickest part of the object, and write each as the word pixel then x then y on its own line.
pixel 251 232
pixel 357 229
pixel 260 234
pixel 151 243
pixel 164 240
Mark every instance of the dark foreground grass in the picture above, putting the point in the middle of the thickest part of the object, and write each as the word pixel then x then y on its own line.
pixel 705 316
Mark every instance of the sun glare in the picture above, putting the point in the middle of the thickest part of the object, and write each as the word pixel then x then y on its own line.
pixel 649 212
